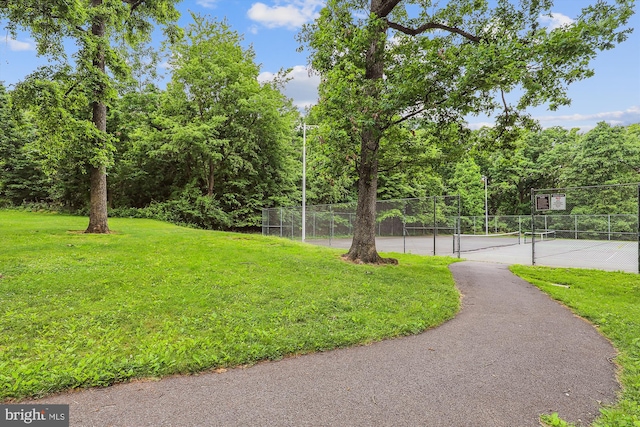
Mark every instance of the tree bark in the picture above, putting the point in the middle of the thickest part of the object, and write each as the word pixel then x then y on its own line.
pixel 211 178
pixel 98 203
pixel 363 246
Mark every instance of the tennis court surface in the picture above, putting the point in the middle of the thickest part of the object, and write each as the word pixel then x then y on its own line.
pixel 513 248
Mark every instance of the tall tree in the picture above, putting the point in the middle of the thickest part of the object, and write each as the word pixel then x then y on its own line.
pixel 385 61
pixel 228 136
pixel 21 176
pixel 97 27
pixel 139 176
pixel 604 155
pixel 535 161
pixel 467 182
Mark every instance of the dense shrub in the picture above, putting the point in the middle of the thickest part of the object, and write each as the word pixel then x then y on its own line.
pixel 191 209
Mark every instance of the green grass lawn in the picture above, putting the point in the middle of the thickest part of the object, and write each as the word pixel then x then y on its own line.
pixel 611 301
pixel 154 299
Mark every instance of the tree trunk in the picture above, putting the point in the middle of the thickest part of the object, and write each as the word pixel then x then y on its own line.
pixel 98 203
pixel 363 247
pixel 211 178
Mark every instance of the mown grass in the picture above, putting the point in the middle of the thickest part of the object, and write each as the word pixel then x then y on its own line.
pixel 154 299
pixel 611 301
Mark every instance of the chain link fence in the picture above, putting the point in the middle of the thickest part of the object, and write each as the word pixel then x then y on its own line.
pixel 583 227
pixel 587 227
pixel 420 225
pixel 496 224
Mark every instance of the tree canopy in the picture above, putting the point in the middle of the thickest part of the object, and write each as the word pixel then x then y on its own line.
pixel 100 29
pixel 385 62
pixel 215 145
pixel 222 140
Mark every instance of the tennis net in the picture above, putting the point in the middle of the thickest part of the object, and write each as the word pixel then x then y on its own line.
pixel 477 242
pixel 540 236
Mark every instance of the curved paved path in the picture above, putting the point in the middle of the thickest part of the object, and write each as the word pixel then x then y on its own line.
pixel 510 355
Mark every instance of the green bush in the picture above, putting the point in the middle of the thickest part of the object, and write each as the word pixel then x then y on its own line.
pixel 191 209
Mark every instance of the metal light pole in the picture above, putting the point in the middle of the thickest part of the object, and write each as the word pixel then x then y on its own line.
pixel 304 179
pixel 486 207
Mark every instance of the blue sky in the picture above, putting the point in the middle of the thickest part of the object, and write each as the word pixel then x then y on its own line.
pixel 270 26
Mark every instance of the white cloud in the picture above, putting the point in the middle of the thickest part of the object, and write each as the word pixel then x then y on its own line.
pixel 478 125
pixel 210 4
pixel 266 76
pixel 555 20
pixel 584 122
pixel 291 14
pixel 629 116
pixel 16 45
pixel 302 88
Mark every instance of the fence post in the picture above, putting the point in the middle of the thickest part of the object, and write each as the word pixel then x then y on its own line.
pixel 404 228
pixel 281 222
pixel 575 217
pixel 435 226
pixel 609 226
pixel 330 225
pixel 455 226
pixel 638 228
pixel 519 227
pixel 533 227
pixel 459 224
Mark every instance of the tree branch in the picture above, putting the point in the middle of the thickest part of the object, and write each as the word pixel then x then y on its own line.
pixel 431 26
pixel 405 118
pixel 385 7
pixel 504 102
pixel 77 27
pixel 392 167
pixel 135 4
pixel 424 107
pixel 73 86
pixel 157 126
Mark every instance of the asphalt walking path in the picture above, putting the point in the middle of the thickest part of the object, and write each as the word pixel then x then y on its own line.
pixel 510 355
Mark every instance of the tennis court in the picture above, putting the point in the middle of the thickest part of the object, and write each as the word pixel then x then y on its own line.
pixel 583 227
pixel 445 245
pixel 603 255
pixel 607 255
